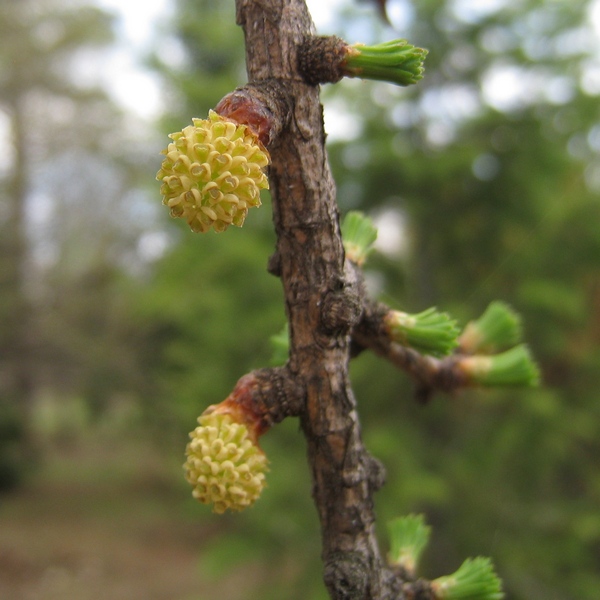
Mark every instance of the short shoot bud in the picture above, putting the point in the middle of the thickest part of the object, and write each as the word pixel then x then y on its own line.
pixel 515 367
pixel 327 59
pixel 474 580
pixel 429 332
pixel 408 538
pixel 499 327
pixel 359 235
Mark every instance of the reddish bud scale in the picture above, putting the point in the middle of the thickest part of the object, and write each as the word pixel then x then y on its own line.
pixel 243 406
pixel 244 108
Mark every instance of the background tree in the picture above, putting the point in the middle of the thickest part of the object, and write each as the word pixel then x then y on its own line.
pixel 67 216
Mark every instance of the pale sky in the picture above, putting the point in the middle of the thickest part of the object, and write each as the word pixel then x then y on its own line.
pixel 132 86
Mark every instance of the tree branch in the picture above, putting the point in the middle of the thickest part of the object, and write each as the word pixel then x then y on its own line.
pixel 269 395
pixel 310 261
pixel 429 374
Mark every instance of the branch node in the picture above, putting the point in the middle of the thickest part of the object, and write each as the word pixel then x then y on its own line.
pixel 376 473
pixel 341 310
pixel 264 106
pixel 321 59
pixel 346 576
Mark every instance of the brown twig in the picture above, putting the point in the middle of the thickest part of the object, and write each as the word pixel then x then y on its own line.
pixel 310 261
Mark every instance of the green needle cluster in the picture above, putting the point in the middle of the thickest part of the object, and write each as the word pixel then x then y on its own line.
pixel 474 580
pixel 499 327
pixel 430 331
pixel 408 538
pixel 395 61
pixel 514 367
pixel 358 235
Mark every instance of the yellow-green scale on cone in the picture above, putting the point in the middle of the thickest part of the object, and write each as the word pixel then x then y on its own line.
pixel 212 173
pixel 223 464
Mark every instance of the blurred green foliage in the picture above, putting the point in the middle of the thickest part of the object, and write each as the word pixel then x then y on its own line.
pixel 50 124
pixel 207 316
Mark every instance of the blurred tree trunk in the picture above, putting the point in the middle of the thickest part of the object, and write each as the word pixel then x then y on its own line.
pixel 16 382
pixel 59 184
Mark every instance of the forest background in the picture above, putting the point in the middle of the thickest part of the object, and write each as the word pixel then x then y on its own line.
pixel 119 326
